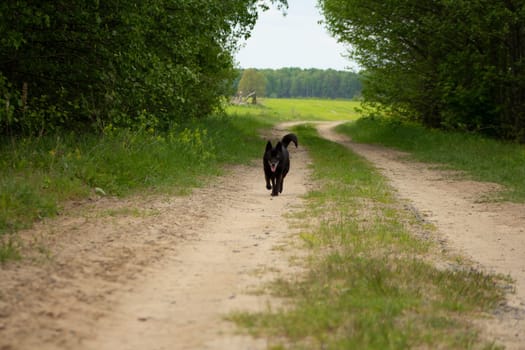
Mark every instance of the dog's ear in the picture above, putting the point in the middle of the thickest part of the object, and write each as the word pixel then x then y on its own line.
pixel 279 146
pixel 268 146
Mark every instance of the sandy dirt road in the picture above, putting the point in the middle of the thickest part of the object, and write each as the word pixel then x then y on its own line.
pixel 161 273
pixel 154 273
pixel 490 235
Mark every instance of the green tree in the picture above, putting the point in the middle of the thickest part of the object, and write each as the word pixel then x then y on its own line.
pixel 252 81
pixel 76 64
pixel 448 64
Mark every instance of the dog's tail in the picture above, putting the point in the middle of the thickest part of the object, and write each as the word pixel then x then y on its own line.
pixel 290 138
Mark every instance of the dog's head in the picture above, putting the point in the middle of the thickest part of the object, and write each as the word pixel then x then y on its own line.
pixel 273 155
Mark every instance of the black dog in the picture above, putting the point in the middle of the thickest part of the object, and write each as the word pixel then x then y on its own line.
pixel 276 162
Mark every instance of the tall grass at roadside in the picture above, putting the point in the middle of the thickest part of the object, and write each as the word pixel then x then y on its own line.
pixel 367 285
pixel 479 157
pixel 283 109
pixel 38 174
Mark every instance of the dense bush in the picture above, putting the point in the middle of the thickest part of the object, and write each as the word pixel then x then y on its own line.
pixel 76 64
pixel 448 64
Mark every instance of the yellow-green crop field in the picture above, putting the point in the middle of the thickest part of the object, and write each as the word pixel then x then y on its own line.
pixel 300 109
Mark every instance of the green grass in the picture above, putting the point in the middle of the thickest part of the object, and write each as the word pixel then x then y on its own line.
pixel 300 109
pixel 480 158
pixel 367 285
pixel 39 174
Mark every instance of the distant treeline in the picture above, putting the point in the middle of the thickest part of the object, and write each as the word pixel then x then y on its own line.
pixel 297 82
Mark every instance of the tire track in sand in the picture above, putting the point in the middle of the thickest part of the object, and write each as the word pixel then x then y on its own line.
pixel 181 302
pixel 492 235
pixel 154 272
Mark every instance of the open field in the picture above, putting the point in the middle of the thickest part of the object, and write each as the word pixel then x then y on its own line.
pixel 300 109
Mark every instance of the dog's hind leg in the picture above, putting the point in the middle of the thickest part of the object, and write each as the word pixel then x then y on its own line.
pixel 281 180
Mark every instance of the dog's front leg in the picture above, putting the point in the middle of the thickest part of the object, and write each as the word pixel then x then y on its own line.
pixel 277 185
pixel 268 184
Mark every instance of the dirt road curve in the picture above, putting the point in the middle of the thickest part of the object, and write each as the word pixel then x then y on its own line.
pixel 160 273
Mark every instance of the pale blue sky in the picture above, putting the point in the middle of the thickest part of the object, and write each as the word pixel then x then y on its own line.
pixel 296 40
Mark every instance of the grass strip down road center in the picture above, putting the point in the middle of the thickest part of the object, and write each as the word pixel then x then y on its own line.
pixel 371 283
